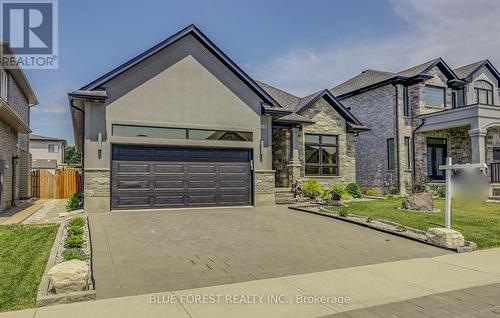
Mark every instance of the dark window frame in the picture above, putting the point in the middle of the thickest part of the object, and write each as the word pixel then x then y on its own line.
pixel 496 150
pixel 320 164
pixel 406 102
pixel 407 143
pixel 436 87
pixel 489 95
pixel 391 156
pixel 51 148
pixel 185 131
pixel 457 98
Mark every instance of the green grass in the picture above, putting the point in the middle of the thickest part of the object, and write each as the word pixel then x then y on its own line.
pixel 24 250
pixel 479 223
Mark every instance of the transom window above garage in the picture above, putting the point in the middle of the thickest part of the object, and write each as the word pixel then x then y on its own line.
pixel 180 133
pixel 321 155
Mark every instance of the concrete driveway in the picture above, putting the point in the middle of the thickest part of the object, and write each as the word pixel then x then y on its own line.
pixel 143 252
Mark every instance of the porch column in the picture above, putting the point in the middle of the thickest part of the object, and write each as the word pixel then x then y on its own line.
pixel 294 162
pixel 478 145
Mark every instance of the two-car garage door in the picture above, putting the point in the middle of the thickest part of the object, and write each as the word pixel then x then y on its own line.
pixel 164 177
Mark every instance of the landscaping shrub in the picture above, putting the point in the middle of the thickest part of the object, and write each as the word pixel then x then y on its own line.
pixel 74 241
pixel 75 230
pixel 436 191
pixel 354 190
pixel 419 185
pixel 78 221
pixel 73 254
pixel 312 189
pixel 337 189
pixel 343 212
pixel 75 202
pixel 372 192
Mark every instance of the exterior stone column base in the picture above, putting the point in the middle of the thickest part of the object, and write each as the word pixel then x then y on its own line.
pixel 264 187
pixel 96 190
pixel 294 174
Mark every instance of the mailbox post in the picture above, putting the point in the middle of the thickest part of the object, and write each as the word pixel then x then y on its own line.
pixel 449 168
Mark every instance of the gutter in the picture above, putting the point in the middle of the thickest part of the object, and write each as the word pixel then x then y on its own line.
pixel 83 137
pixel 398 157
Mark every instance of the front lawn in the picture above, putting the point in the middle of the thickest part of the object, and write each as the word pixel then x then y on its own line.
pixel 24 250
pixel 480 224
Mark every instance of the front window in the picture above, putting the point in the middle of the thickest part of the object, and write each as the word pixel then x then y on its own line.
pixel 391 162
pixel 180 133
pixel 321 155
pixel 408 152
pixel 496 154
pixel 484 92
pixel 435 96
pixel 457 98
pixel 3 85
pixel 53 148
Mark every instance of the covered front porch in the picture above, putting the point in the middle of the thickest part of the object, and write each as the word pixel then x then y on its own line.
pixel 469 134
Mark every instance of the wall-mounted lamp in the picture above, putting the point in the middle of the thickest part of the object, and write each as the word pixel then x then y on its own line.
pixel 99 145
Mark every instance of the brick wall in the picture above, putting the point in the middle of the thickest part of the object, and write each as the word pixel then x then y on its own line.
pixel 375 109
pixel 8 149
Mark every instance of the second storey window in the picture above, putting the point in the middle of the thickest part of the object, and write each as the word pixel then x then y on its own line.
pixel 53 148
pixel 484 92
pixel 457 98
pixel 321 155
pixel 435 96
pixel 3 84
pixel 406 102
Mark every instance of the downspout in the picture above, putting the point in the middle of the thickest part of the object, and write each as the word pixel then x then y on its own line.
pixel 413 133
pixel 398 174
pixel 83 139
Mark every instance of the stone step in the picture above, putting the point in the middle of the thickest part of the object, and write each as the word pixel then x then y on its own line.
pixel 284 196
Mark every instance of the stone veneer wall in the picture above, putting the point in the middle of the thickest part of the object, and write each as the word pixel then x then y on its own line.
pixel 328 121
pixel 264 187
pixel 8 149
pixel 492 141
pixel 281 155
pixel 96 185
pixel 458 146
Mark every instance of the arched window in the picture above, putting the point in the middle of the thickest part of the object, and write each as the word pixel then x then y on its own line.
pixel 484 92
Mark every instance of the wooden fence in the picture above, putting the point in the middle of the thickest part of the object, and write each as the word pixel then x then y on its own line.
pixel 60 185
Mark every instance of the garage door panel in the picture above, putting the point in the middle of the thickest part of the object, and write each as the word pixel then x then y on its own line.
pixel 174 177
pixel 170 184
pixel 166 168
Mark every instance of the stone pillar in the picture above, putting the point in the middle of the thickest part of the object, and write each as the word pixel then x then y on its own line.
pixel 478 145
pixel 294 166
pixel 96 190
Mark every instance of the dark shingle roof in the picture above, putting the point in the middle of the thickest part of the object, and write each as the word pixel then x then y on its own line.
pixel 285 99
pixel 366 78
pixel 416 70
pixel 464 71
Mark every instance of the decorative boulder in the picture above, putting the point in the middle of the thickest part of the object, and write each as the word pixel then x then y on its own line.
pixel 419 202
pixel 445 237
pixel 69 276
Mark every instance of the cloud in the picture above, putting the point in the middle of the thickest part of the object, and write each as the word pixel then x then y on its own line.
pixel 53 109
pixel 460 31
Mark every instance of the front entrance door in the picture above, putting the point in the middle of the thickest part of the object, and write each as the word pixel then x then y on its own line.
pixel 436 156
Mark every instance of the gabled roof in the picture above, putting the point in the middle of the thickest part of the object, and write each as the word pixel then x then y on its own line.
pixel 467 70
pixel 364 79
pixel 371 79
pixel 296 105
pixel 204 40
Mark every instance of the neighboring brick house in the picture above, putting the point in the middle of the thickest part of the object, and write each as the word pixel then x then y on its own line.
pixel 420 116
pixel 181 125
pixel 16 98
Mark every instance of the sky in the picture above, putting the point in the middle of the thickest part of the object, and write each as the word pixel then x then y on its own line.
pixel 299 46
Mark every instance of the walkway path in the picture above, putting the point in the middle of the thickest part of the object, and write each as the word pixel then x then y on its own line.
pixel 366 286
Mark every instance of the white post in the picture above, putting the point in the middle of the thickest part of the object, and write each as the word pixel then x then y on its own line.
pixel 447 215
